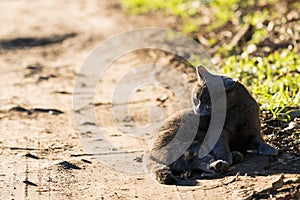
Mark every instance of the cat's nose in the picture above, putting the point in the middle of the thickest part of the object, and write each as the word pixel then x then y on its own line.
pixel 197 110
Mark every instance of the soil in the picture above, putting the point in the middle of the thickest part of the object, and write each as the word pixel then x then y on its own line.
pixel 43 46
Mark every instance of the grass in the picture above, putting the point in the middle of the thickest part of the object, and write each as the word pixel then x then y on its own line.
pixel 274 80
pixel 181 8
pixel 184 9
pixel 222 11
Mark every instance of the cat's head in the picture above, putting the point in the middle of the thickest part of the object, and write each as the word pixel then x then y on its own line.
pixel 201 95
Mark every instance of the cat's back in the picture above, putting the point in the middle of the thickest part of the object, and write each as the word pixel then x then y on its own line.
pixel 184 123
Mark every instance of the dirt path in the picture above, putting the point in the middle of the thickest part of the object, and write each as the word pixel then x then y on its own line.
pixel 43 45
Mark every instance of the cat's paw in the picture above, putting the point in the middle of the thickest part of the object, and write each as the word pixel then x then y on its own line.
pixel 165 176
pixel 219 167
pixel 237 157
pixel 266 149
pixel 185 175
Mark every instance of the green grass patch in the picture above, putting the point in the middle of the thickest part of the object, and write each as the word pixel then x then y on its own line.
pixel 222 12
pixel 273 80
pixel 181 8
pixel 187 10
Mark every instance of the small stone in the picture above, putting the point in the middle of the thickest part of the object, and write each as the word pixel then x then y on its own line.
pixel 251 48
pixel 278 182
pixel 162 98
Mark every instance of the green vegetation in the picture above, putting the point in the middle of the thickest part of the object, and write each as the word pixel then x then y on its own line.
pixel 271 76
pixel 181 8
pixel 274 80
pixel 188 10
pixel 184 9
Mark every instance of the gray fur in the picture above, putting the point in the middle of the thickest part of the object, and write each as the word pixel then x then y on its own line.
pixel 241 132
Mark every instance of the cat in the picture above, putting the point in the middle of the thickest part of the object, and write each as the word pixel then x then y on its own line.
pixel 241 131
pixel 158 158
pixel 174 149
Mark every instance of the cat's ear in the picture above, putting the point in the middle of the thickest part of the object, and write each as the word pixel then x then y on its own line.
pixel 201 72
pixel 229 83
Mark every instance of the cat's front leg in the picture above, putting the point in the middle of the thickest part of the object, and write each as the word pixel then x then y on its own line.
pixel 222 154
pixel 221 150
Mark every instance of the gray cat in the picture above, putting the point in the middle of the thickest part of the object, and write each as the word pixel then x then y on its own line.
pixel 174 149
pixel 241 130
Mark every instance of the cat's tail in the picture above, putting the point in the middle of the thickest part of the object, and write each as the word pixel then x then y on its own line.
pixel 158 171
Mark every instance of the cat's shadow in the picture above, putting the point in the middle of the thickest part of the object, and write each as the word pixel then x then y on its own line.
pixel 254 165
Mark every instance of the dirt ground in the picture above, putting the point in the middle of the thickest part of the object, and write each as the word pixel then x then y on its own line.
pixel 43 45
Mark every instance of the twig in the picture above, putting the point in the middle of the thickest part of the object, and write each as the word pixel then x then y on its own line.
pixel 245 32
pixel 233 180
pixel 105 153
pixel 28 148
pixel 289 72
pixel 224 183
pixel 119 104
pixel 21 148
